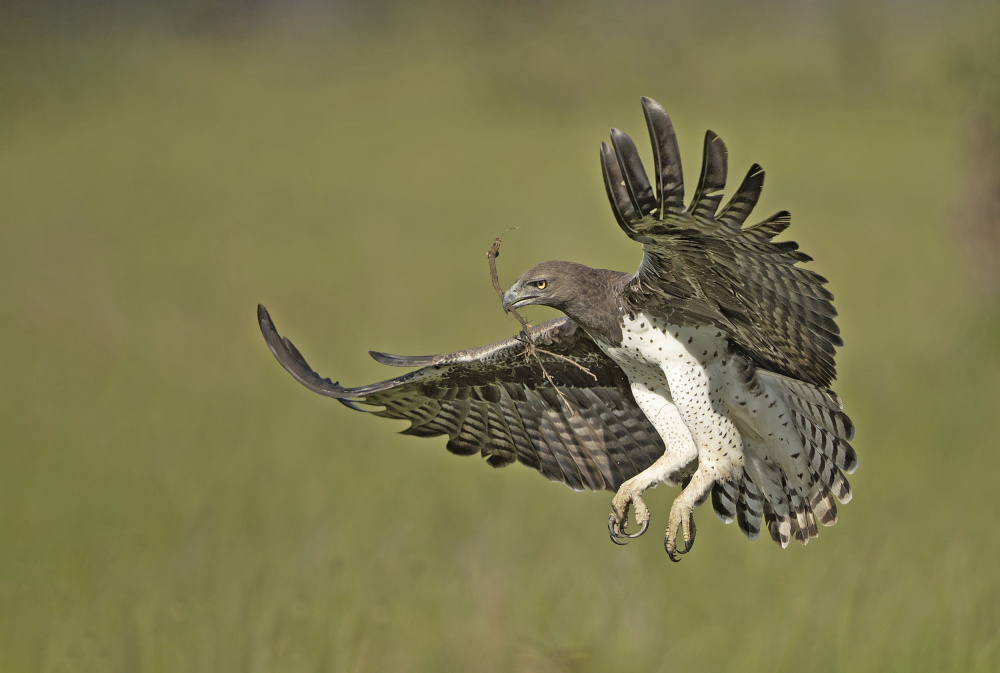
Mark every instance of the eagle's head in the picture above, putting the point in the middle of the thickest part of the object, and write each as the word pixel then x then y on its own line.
pixel 555 284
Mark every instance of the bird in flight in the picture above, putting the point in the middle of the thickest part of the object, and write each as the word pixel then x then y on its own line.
pixel 709 367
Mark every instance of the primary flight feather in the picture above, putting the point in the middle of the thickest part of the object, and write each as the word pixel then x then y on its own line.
pixel 710 366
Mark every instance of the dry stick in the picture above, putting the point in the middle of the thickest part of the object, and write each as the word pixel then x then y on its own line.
pixel 534 350
pixel 531 348
pixel 569 360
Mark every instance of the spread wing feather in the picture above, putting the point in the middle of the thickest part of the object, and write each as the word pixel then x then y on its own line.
pixel 494 401
pixel 701 267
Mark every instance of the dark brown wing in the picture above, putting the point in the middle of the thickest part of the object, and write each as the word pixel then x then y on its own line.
pixel 701 267
pixel 494 401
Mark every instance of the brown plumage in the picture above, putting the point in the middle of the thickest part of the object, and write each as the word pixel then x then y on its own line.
pixel 494 402
pixel 708 366
pixel 701 267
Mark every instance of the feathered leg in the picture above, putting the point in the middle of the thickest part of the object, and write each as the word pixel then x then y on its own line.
pixel 719 446
pixel 680 453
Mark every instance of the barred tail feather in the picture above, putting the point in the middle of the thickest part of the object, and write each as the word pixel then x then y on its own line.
pixel 765 477
pixel 841 488
pixel 778 527
pixel 804 522
pixel 819 417
pixel 725 495
pixel 739 499
pixel 749 508
pixel 824 507
pixel 797 458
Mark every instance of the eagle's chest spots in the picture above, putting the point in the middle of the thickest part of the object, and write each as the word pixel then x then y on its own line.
pixel 685 365
pixel 687 369
pixel 653 345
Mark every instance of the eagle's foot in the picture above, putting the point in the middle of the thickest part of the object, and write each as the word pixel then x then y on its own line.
pixel 681 521
pixel 630 494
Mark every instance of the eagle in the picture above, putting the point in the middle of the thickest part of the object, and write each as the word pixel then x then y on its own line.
pixel 709 367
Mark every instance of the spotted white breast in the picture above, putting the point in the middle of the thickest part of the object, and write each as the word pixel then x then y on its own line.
pixel 745 433
pixel 682 380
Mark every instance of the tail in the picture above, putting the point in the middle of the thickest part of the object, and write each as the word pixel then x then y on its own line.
pixel 793 484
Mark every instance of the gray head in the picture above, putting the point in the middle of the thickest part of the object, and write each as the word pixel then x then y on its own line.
pixel 554 284
pixel 582 293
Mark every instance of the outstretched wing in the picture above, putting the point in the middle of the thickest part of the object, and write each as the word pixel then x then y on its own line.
pixel 702 267
pixel 495 401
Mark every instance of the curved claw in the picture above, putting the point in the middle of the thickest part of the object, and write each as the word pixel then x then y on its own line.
pixel 642 529
pixel 689 529
pixel 673 553
pixel 627 497
pixel 690 543
pixel 619 537
pixel 613 532
pixel 670 553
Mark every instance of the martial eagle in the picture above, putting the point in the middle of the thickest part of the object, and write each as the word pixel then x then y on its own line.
pixel 710 366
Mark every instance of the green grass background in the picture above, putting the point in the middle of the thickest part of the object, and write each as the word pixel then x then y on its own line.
pixel 171 500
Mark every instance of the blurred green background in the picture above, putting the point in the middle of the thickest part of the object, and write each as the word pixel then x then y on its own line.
pixel 171 500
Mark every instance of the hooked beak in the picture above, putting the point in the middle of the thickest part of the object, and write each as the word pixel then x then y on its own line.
pixel 512 299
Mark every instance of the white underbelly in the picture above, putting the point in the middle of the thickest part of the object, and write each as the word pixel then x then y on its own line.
pixel 682 376
pixel 653 348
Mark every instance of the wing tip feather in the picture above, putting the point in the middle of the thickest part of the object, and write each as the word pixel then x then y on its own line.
pixel 289 357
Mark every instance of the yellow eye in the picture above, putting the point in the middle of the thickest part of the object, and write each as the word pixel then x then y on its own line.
pixel 540 284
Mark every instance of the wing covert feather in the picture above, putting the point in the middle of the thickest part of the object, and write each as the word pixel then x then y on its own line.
pixel 494 401
pixel 701 268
